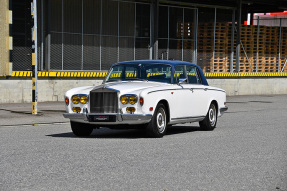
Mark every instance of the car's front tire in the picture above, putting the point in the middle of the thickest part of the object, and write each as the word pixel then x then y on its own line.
pixel 81 129
pixel 210 120
pixel 158 124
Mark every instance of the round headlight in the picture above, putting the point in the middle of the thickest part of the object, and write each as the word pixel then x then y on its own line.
pixel 84 99
pixel 133 100
pixel 75 99
pixel 124 99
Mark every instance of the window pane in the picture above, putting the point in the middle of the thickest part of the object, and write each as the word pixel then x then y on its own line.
pixel 158 73
pixel 179 73
pixel 143 20
pixel 110 17
pixel 163 20
pixel 192 75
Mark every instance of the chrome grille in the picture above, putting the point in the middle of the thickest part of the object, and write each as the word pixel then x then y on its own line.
pixel 103 101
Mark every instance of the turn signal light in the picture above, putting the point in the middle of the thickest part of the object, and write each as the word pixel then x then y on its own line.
pixel 83 99
pixel 124 100
pixel 131 109
pixel 67 101
pixel 77 109
pixel 75 99
pixel 141 101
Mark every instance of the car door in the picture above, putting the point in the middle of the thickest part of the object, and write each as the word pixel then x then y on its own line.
pixel 182 103
pixel 199 97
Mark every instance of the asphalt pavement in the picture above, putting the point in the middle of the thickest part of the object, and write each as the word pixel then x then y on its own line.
pixel 21 114
pixel 247 151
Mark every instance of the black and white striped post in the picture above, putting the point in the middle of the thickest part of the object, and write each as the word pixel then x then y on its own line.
pixel 10 44
pixel 34 58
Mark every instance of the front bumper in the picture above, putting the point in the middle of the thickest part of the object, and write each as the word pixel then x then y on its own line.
pixel 130 119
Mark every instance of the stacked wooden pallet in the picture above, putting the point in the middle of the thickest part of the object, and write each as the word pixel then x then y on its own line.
pixel 221 48
pixel 268 47
pixel 283 49
pixel 205 46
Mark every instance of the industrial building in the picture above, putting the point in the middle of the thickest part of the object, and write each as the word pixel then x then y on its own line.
pixel 90 35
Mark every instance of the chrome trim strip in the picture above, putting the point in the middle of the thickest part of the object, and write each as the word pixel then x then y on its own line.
pixel 216 90
pixel 186 120
pixel 179 118
pixel 195 88
pixel 164 90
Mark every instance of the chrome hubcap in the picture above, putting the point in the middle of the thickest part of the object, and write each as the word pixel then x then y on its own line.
pixel 161 120
pixel 212 116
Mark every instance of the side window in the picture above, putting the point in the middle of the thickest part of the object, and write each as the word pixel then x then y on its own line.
pixel 179 73
pixel 193 75
pixel 158 73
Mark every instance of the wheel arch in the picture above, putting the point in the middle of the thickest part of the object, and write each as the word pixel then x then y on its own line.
pixel 216 106
pixel 165 103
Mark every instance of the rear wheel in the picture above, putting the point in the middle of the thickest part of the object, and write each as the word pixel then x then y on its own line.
pixel 157 126
pixel 210 120
pixel 81 129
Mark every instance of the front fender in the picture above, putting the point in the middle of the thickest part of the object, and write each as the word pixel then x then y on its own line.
pixel 151 101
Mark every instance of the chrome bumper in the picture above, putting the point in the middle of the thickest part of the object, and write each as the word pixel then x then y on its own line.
pixel 120 118
pixel 223 109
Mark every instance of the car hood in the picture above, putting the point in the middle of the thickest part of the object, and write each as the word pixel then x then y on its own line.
pixel 130 86
pixel 123 87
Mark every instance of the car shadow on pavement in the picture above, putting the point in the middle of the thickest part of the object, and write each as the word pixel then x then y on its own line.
pixel 105 133
pixel 179 129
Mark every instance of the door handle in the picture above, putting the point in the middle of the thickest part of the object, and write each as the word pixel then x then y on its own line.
pixel 205 89
pixel 191 89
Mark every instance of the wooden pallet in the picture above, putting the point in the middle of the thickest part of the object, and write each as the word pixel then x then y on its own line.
pixel 267 47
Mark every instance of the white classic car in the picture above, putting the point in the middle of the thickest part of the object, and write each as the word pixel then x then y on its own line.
pixel 151 94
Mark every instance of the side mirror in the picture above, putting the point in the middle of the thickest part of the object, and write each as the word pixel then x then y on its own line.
pixel 182 81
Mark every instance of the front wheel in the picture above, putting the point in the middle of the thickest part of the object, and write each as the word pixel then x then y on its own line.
pixel 81 129
pixel 157 126
pixel 209 122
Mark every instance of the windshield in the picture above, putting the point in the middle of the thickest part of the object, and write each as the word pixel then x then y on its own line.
pixel 138 71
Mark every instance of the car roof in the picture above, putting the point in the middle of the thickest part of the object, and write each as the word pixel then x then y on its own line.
pixel 171 62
